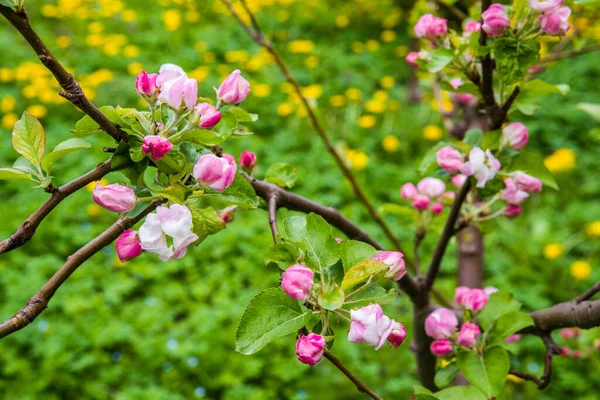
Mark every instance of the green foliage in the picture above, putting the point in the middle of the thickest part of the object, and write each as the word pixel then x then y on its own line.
pixel 486 372
pixel 240 193
pixel 282 255
pixel 353 252
pixel 331 298
pixel 206 222
pixel 61 150
pixel 29 138
pixel 321 248
pixel 533 164
pixel 361 272
pixel 270 315
pixel 374 293
pixel 445 376
pixel 282 174
pixel 513 57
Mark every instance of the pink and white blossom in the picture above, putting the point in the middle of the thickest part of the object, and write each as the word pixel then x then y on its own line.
pixel 449 159
pixel 408 191
pixel 215 172
pixel 398 334
pixel 309 349
pixel 234 89
pixel 512 194
pixel 482 165
pixel 145 85
pixel 527 182
pixel 370 326
pixel 468 334
pixel 412 58
pixel 495 20
pixel 247 160
pixel 395 261
pixel 441 347
pixel 431 187
pixel 472 27
pixel 515 135
pixel 128 245
pixel 206 115
pixel 471 299
pixel 114 197
pixel 297 282
pixel 441 323
pixel 431 27
pixel 556 21
pixel 545 5
pixel 156 146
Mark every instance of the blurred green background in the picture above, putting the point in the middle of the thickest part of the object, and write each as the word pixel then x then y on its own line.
pixel 153 330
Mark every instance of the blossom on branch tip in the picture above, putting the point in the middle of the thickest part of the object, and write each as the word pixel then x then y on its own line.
pixel 309 349
pixel 128 245
pixel 449 159
pixel 545 5
pixel 515 135
pixel 395 261
pixel 459 180
pixel 179 93
pixel 205 115
pixel 297 282
pixel 114 197
pixel 441 347
pixel 431 187
pixel 431 27
pixel 408 191
pixel 145 85
pixel 174 222
pixel 556 21
pixel 495 20
pixel 512 210
pixel 247 160
pixel 227 214
pixel 527 182
pixel 398 334
pixel 482 165
pixel 471 299
pixel 156 146
pixel 441 323
pixel 412 58
pixel 512 194
pixel 370 326
pixel 234 89
pixel 472 26
pixel 215 172
pixel 468 334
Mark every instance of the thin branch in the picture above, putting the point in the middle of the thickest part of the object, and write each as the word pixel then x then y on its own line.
pixel 458 13
pixel 295 202
pixel 419 236
pixel 28 227
pixel 498 120
pixel 359 385
pixel 38 303
pixel 570 53
pixel 552 349
pixel 258 36
pixel 588 294
pixel 273 216
pixel 71 89
pixel 447 233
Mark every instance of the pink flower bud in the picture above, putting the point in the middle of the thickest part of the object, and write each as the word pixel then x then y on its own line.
pixel 465 98
pixel 206 115
pixel 395 261
pixel 449 159
pixel 544 5
pixel 370 326
pixel 441 347
pixel 515 135
pixel 569 333
pixel 514 338
pixel 227 214
pixel 441 323
pixel 576 354
pixel 473 26
pixel 114 197
pixel 495 20
pixel 179 93
pixel 145 85
pixel 408 191
pixel 156 146
pixel 566 352
pixel 471 299
pixel 431 187
pixel 297 282
pixel 234 89
pixel 556 22
pixel 458 180
pixel 247 160
pixel 398 334
pixel 421 202
pixel 215 172
pixel 431 27
pixel 512 194
pixel 455 83
pixel 437 208
pixel 512 210
pixel 412 58
pixel 468 334
pixel 528 183
pixel 128 245
pixel 309 349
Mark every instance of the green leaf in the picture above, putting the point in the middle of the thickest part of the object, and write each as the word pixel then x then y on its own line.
pixel 87 126
pixel 440 58
pixel 240 193
pixel 397 209
pixel 533 164
pixel 446 375
pixel 588 3
pixel 13 173
pixel 488 372
pixel 353 252
pixel 513 57
pixel 500 303
pixel 361 272
pixel 532 93
pixel 282 174
pixel 204 137
pixel 461 393
pixel 492 140
pixel 29 138
pixel 206 222
pixel 25 166
pixel 172 163
pixel 506 325
pixel 283 255
pixel 374 293
pixel 269 316
pixel 227 125
pixel 331 299
pixel 61 150
pixel 242 115
pixel 421 390
pixel 177 193
pixel 321 248
pixel 590 108
pixel 474 137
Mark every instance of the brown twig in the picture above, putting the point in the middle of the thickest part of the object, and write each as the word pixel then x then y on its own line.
pixel 449 229
pixel 27 229
pixel 499 119
pixel 272 204
pixel 588 294
pixel 458 13
pixel 71 89
pixel 359 385
pixel 295 202
pixel 570 53
pixel 258 36
pixel 38 303
pixel 552 349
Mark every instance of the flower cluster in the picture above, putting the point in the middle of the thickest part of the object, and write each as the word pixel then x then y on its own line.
pixel 442 324
pixel 429 194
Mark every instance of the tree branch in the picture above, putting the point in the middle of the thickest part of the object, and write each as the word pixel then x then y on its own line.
pixel 359 385
pixel 447 233
pixel 588 294
pixel 551 349
pixel 27 229
pixel 584 315
pixel 273 216
pixel 295 202
pixel 258 36
pixel 487 66
pixel 570 53
pixel 458 13
pixel 71 89
pixel 38 303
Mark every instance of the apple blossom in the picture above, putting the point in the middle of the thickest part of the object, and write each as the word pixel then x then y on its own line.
pixel 297 282
pixel 431 187
pixel 206 116
pixel 370 326
pixel 412 58
pixel 247 160
pixel 512 194
pixel 395 261
pixel 398 334
pixel 408 191
pixel 441 347
pixel 471 299
pixel 215 172
pixel 441 323
pixel 309 349
pixel 145 85
pixel 482 165
pixel 234 89
pixel 495 20
pixel 556 21
pixel 156 146
pixel 473 26
pixel 545 5
pixel 527 182
pixel 431 27
pixel 513 210
pixel 468 334
pixel 515 135
pixel 128 245
pixel 449 159
pixel 114 197
pixel 459 180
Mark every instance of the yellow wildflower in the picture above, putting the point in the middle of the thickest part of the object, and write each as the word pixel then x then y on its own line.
pixel 200 46
pixel 200 74
pixel 261 90
pixel 561 160
pixel 432 132
pixel 63 41
pixel 388 36
pixel 342 21
pixel 312 91
pixel 387 82
pixel 118 263
pixel 8 121
pixel 367 121
pixel 96 27
pixel 401 51
pixel 282 15
pixel 311 62
pixel 353 94
pixel 37 110
pixel 135 68
pixel 581 270
pixel 553 251
pixel 94 210
pixel 192 16
pixel 209 57
pixel 358 47
pixel 131 51
pixel 128 15
pixel 390 143
pixel 358 160
pixel 285 109
pixel 375 106
pixel 372 45
pixel 7 104
pixel 337 100
pixel 172 20
pixel 6 75
pixel 90 186
pixel 593 229
pixel 301 46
